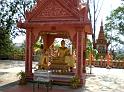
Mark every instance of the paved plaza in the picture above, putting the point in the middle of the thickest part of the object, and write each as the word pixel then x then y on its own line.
pixel 101 79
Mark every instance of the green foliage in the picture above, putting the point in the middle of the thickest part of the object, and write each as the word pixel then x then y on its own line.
pixel 6 21
pixel 21 75
pixel 10 12
pixel 6 45
pixel 75 82
pixel 18 52
pixel 57 46
pixel 6 18
pixel 90 49
pixel 115 25
pixel 120 56
pixel 18 8
pixel 37 46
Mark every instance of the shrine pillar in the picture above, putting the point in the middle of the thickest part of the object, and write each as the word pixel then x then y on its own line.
pixel 84 52
pixel 29 52
pixel 79 66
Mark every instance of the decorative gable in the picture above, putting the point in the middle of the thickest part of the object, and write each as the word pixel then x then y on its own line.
pixel 53 10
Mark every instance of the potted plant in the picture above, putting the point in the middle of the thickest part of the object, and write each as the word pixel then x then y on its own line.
pixel 22 77
pixel 75 81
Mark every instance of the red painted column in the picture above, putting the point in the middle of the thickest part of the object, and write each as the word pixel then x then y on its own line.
pixel 29 49
pixel 79 65
pixel 84 53
pixel 30 54
pixel 27 52
pixel 48 40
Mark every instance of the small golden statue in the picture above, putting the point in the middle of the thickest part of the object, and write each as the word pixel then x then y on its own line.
pixel 44 61
pixel 62 51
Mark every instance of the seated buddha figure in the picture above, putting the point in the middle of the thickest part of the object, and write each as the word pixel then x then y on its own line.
pixel 62 51
pixel 60 63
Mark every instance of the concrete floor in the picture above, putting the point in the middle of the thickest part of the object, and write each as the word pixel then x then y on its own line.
pixel 101 79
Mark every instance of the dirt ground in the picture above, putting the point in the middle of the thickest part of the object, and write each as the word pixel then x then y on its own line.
pixel 9 70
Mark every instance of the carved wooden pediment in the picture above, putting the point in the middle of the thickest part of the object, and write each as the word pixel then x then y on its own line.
pixel 53 10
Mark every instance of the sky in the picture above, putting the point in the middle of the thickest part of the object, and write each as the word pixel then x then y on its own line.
pixel 107 7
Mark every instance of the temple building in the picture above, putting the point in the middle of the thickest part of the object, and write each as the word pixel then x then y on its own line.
pixel 101 43
pixel 50 19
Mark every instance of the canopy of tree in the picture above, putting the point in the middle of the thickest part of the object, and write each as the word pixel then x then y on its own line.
pixel 10 11
pixel 115 26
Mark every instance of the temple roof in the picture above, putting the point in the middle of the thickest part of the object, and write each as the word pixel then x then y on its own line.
pixel 57 12
pixel 101 37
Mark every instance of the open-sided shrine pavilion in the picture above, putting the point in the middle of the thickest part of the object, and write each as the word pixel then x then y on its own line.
pixel 52 19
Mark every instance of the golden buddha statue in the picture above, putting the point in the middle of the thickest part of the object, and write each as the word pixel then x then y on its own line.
pixel 61 64
pixel 62 51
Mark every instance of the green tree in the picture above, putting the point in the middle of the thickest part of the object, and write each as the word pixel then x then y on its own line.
pixel 5 29
pixel 5 44
pixel 18 52
pixel 18 8
pixel 10 11
pixel 90 49
pixel 114 26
